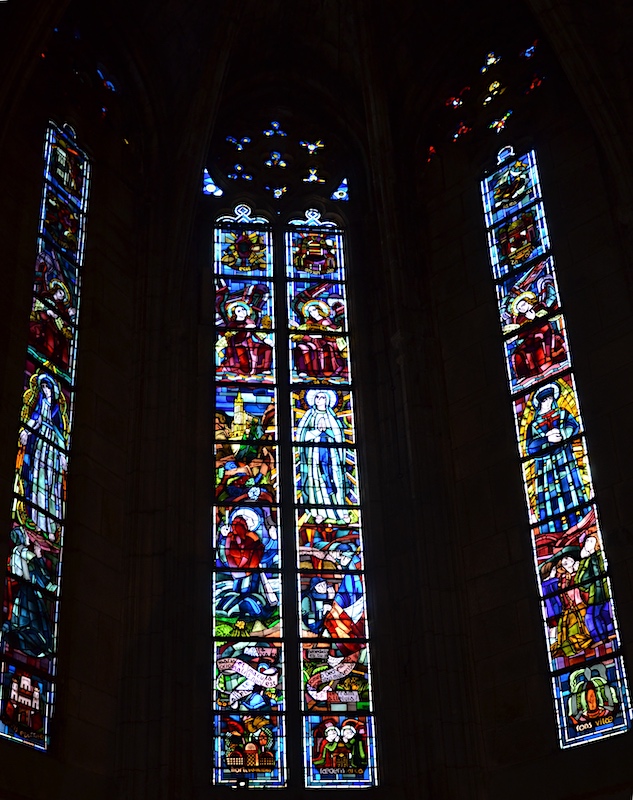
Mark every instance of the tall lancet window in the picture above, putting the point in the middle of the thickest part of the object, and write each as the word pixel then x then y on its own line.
pixel 288 588
pixel 32 585
pixel 583 643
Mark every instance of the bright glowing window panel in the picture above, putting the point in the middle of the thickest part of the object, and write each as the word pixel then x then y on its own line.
pixel 517 238
pixel 246 536
pixel 243 250
pixel 250 747
pixel 243 303
pixel 592 702
pixel 30 611
pixel 511 188
pixel 325 475
pixel 315 254
pixel 332 605
pixel 581 633
pixel 321 413
pixel 245 412
pixel 320 301
pixel 339 751
pixel 245 355
pixel 329 538
pixel 336 677
pixel 249 676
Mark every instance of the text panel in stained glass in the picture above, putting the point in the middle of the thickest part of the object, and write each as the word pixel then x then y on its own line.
pixel 581 632
pixel 30 612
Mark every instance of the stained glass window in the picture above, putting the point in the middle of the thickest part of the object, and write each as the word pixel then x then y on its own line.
pixel 32 585
pixel 288 586
pixel 583 643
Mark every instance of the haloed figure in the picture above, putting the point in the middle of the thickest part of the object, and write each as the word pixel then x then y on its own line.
pixel 322 466
pixel 558 483
pixel 41 461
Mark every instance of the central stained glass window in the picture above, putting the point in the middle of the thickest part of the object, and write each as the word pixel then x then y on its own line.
pixel 288 588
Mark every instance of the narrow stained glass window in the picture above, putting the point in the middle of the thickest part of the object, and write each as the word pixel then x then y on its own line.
pixel 288 583
pixel 32 585
pixel 583 643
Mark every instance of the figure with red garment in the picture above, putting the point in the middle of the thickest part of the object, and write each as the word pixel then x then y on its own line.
pixel 50 327
pixel 320 352
pixel 541 345
pixel 242 349
pixel 329 736
pixel 248 539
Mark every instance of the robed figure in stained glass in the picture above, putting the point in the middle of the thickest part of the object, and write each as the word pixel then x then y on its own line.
pixel 41 463
pixel 557 481
pixel 320 352
pixel 243 350
pixel 594 588
pixel 27 626
pixel 321 467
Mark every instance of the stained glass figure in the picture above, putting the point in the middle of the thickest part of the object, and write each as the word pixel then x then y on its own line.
pixel 247 537
pixel 321 408
pixel 333 606
pixel 247 603
pixel 339 751
pixel 342 193
pixel 539 351
pixel 581 632
pixel 30 609
pixel 312 147
pixel 497 125
pixel 209 186
pixel 243 251
pixel 329 538
pixel 245 354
